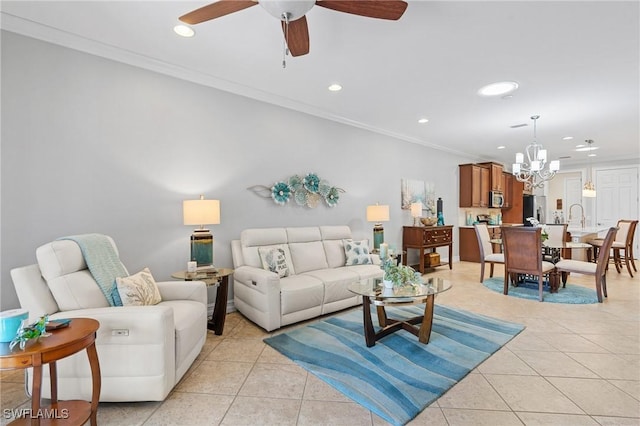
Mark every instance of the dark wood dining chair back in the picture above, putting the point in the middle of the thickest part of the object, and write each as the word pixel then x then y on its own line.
pixel 523 255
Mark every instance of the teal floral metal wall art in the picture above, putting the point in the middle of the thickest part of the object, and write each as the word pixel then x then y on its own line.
pixel 307 191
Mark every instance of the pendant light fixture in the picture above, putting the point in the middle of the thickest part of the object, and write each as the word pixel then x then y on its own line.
pixel 589 190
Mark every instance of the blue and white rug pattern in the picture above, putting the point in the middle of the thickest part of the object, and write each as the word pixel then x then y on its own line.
pixel 571 294
pixel 399 376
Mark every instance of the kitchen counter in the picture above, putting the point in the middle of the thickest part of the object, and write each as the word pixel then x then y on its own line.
pixel 577 231
pixel 492 226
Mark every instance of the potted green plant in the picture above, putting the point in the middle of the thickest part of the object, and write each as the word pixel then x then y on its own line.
pixel 398 275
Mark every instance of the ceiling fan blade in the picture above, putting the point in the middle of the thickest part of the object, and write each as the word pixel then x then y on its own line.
pixel 297 36
pixel 216 10
pixel 382 9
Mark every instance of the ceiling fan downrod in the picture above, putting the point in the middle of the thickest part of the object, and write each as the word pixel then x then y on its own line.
pixel 285 18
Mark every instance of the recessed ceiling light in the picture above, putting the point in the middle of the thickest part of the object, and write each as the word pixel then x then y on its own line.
pixel 567 138
pixel 423 120
pixel 335 87
pixel 586 148
pixel 184 31
pixel 580 146
pixel 591 155
pixel 501 147
pixel 498 89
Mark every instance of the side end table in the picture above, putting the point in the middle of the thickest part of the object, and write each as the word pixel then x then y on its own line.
pixel 218 277
pixel 79 335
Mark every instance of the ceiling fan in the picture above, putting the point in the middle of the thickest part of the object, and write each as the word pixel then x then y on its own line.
pixel 292 14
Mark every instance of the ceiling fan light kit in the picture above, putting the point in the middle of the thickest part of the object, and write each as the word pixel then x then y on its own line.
pixel 292 14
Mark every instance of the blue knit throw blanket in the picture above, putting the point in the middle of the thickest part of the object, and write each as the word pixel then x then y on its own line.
pixel 103 263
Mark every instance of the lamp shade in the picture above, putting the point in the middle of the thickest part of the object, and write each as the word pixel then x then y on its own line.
pixel 416 209
pixel 201 212
pixel 378 213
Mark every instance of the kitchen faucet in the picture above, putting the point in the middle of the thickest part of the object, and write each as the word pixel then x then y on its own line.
pixel 582 219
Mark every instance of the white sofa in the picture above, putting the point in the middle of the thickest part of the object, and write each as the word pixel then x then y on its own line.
pixel 318 281
pixel 143 350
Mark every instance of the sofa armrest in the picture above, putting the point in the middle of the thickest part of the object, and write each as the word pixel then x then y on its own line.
pixel 183 290
pixel 264 281
pixel 135 325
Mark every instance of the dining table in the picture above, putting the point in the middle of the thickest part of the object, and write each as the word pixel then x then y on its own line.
pixel 552 251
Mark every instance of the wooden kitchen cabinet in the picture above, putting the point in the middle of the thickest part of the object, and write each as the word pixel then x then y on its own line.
pixel 507 189
pixel 495 176
pixel 474 185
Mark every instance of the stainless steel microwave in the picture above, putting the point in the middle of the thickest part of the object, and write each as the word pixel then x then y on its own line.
pixel 496 199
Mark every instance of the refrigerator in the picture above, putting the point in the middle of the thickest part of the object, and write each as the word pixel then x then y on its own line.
pixel 534 206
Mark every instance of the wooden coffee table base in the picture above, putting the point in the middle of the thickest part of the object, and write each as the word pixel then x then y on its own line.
pixel 391 325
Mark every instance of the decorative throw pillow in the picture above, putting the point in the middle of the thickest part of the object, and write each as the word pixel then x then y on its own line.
pixel 274 259
pixel 139 289
pixel 357 252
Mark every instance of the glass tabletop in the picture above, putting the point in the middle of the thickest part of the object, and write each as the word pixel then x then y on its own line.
pixel 553 244
pixel 374 288
pixel 566 245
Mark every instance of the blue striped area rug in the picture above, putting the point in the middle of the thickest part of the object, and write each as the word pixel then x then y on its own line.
pixel 399 376
pixel 573 294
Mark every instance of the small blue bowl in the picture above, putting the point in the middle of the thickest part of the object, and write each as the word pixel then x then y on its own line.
pixel 10 323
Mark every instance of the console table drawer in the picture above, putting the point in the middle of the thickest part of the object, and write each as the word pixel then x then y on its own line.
pixel 437 236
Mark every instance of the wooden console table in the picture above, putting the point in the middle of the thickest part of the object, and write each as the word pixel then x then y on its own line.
pixel 427 238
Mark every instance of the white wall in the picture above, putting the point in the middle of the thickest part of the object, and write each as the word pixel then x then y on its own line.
pixel 93 145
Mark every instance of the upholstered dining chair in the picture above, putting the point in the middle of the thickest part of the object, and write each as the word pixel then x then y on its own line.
pixel 522 248
pixel 486 250
pixel 622 247
pixel 598 269
pixel 557 234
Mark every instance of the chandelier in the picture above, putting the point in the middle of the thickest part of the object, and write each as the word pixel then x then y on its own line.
pixel 589 190
pixel 533 172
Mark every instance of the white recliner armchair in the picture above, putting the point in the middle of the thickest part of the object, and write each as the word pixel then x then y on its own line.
pixel 143 350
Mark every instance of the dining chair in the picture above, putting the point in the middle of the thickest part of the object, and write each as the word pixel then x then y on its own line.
pixel 598 269
pixel 557 235
pixel 622 247
pixel 486 250
pixel 523 255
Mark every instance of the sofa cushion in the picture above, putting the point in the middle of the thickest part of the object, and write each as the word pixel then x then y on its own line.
pixel 251 239
pixel 336 283
pixel 65 271
pixel 365 271
pixel 308 256
pixel 300 292
pixel 138 289
pixel 190 318
pixel 357 252
pixel 274 259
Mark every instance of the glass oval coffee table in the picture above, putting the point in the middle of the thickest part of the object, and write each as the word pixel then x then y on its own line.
pixel 374 292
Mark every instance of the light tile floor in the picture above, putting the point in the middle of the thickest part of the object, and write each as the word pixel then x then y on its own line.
pixel 572 365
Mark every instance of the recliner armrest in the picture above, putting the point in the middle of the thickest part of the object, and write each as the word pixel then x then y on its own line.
pixel 135 325
pixel 259 279
pixel 183 290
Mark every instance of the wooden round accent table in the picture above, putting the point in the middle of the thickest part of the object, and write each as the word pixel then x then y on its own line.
pixel 218 277
pixel 79 335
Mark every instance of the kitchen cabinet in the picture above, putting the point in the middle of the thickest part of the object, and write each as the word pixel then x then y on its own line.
pixel 474 185
pixel 495 176
pixel 507 189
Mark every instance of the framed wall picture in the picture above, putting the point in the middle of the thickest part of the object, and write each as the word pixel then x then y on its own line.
pixel 414 191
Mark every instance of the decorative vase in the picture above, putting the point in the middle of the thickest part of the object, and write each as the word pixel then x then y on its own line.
pixel 387 283
pixel 387 292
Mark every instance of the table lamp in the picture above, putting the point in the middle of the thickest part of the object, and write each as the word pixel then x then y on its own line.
pixel 416 212
pixel 377 214
pixel 201 212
